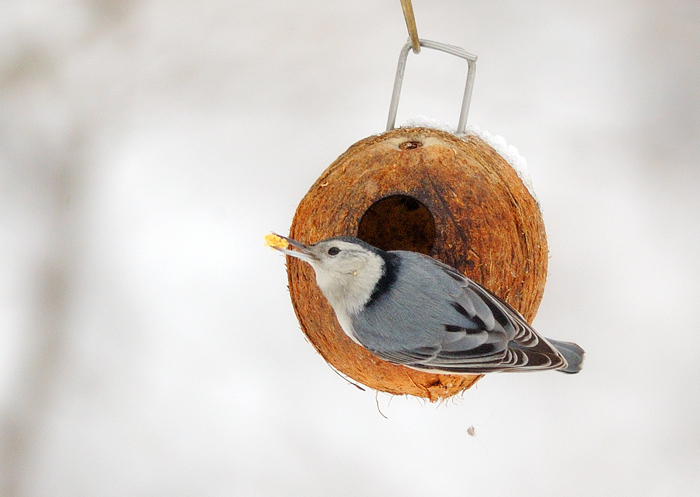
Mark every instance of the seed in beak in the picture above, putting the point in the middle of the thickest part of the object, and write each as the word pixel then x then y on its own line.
pixel 275 241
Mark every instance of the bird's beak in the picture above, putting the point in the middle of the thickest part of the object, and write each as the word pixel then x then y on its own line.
pixel 302 251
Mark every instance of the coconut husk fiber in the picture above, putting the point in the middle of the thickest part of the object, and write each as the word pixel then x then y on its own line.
pixel 430 191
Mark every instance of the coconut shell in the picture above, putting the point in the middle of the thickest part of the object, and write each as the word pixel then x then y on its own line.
pixel 426 190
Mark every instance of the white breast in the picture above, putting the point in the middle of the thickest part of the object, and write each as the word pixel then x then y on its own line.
pixel 346 324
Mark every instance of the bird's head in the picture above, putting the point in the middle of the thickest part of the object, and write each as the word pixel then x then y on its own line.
pixel 347 269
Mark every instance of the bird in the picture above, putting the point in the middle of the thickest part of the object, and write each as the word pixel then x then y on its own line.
pixel 410 309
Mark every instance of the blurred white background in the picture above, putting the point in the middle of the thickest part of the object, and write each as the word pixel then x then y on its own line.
pixel 148 346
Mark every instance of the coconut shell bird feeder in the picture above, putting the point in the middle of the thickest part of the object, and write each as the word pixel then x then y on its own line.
pixel 449 195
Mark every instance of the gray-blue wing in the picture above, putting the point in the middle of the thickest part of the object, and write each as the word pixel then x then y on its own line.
pixel 436 319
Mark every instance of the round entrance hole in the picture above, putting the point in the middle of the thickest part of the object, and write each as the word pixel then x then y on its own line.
pixel 398 222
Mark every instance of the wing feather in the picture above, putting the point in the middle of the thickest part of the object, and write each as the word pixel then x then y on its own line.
pixel 481 333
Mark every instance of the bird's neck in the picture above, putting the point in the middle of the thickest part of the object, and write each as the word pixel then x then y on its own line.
pixel 348 293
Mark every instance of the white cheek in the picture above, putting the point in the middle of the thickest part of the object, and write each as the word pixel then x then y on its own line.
pixel 322 279
pixel 341 293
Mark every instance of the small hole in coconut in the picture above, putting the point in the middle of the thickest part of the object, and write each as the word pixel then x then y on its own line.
pixel 408 145
pixel 398 222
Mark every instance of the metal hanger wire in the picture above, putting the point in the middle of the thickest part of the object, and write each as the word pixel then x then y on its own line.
pixel 416 43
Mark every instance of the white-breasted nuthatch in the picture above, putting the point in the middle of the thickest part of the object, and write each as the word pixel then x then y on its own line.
pixel 408 308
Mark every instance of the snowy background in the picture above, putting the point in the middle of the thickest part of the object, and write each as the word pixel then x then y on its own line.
pixel 148 346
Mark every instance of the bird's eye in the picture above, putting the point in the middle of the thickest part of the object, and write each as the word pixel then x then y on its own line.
pixel 333 251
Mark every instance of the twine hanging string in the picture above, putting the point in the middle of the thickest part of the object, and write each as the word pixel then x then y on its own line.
pixel 407 8
pixel 468 87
